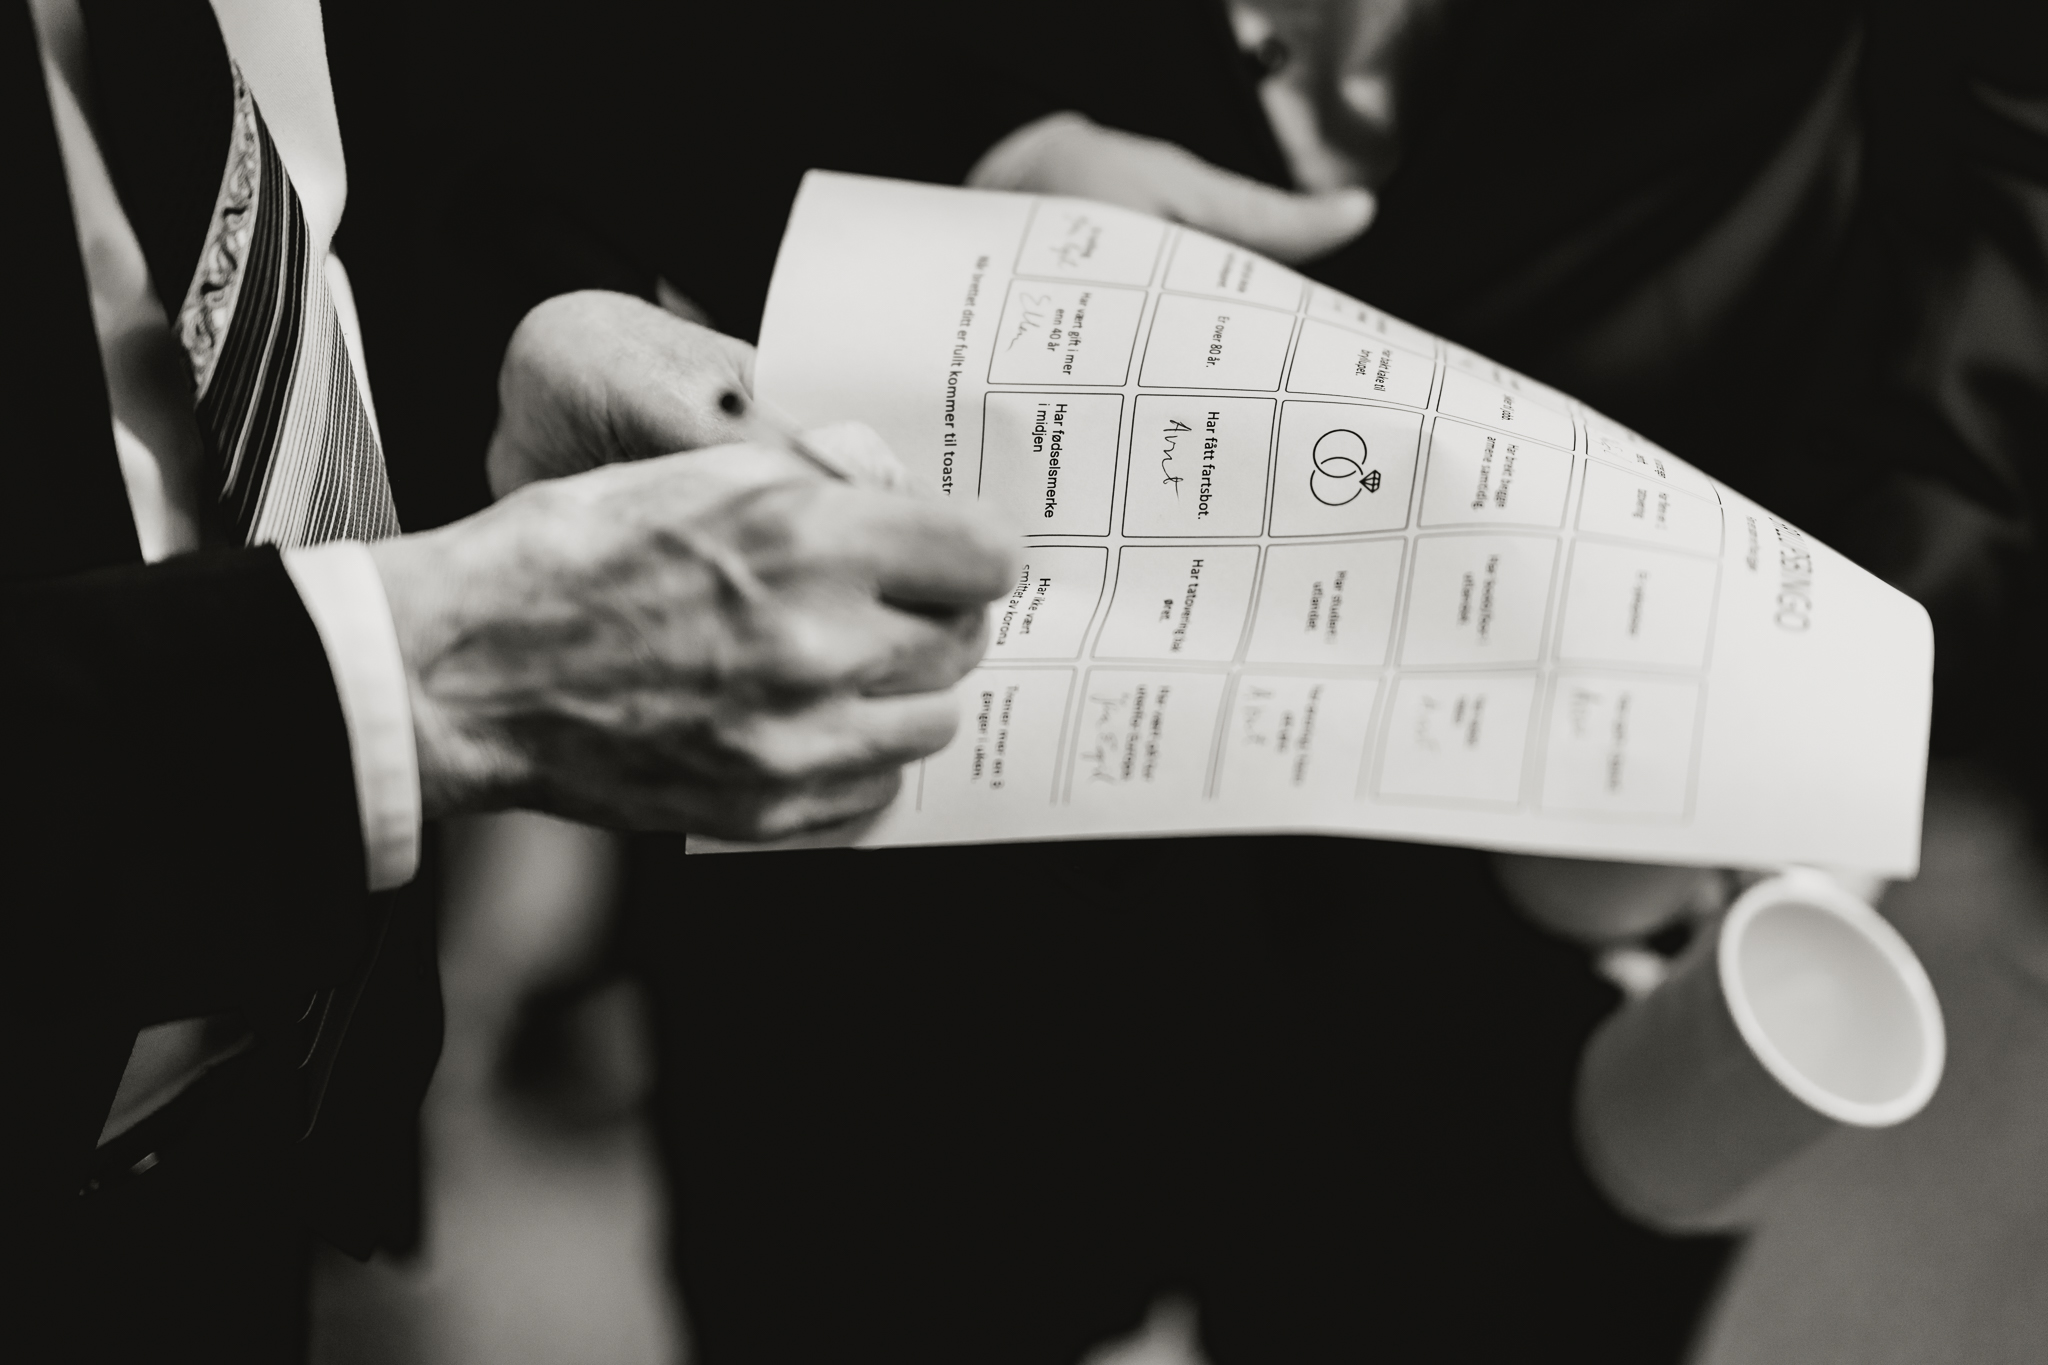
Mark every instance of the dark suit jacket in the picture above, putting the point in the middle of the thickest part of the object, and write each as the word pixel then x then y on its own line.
pixel 182 836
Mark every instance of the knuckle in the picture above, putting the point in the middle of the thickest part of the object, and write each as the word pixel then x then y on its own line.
pixel 770 752
pixel 955 645
pixel 944 657
pixel 789 504
pixel 919 646
pixel 973 639
pixel 785 521
pixel 799 653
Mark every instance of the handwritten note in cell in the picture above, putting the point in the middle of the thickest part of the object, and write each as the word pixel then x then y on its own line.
pixel 1075 239
pixel 1620 746
pixel 1143 737
pixel 1054 333
pixel 1198 466
pixel 1296 739
pixel 1458 738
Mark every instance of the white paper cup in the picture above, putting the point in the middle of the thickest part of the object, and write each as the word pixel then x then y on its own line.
pixel 1800 1009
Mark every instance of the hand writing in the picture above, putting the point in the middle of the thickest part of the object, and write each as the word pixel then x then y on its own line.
pixel 720 642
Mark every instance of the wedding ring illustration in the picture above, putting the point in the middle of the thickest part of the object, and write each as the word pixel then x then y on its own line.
pixel 1339 470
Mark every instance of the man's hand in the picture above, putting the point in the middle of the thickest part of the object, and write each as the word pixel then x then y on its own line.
pixel 1068 154
pixel 719 642
pixel 596 378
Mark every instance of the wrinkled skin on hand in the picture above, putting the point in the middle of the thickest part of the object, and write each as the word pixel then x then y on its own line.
pixel 719 642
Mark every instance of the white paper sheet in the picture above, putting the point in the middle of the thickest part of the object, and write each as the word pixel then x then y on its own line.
pixel 1293 564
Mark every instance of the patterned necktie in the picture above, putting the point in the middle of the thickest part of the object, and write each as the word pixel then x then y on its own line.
pixel 297 460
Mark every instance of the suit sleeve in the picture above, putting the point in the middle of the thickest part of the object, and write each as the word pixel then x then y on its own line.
pixel 185 806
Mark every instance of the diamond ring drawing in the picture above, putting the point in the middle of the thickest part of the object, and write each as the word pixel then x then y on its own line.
pixel 1338 469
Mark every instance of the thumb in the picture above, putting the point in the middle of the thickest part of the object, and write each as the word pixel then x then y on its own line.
pixel 670 388
pixel 1282 224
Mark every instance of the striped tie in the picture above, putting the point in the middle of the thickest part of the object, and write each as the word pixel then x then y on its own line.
pixel 297 457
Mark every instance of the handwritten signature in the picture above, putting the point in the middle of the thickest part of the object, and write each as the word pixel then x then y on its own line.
pixel 1170 437
pixel 1031 311
pixel 1082 235
pixel 1104 760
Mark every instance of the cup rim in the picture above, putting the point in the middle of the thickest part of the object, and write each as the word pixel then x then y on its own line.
pixel 1809 887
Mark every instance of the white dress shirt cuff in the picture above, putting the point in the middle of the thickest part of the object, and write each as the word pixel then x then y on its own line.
pixel 338 582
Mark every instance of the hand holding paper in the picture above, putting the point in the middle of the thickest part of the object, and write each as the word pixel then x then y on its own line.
pixel 724 641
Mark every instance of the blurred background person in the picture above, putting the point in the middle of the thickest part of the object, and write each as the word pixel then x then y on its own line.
pixel 1802 247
